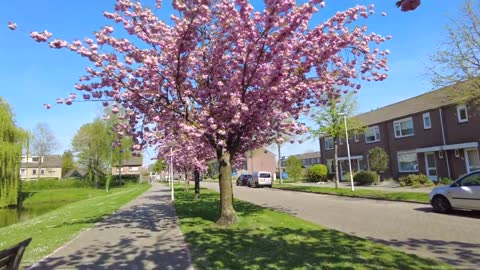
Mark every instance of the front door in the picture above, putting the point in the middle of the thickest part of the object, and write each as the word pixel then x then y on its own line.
pixel 472 160
pixel 431 166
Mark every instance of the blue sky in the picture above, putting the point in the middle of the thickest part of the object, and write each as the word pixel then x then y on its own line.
pixel 33 74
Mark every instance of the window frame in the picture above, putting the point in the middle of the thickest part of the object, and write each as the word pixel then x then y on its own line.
pixel 398 162
pixel 429 120
pixel 460 107
pixel 398 123
pixel 356 138
pixel 333 143
pixel 376 139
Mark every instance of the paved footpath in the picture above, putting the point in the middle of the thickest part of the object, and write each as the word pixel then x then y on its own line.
pixel 144 234
pixel 411 227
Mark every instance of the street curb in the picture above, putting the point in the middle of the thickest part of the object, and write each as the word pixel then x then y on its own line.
pixel 361 197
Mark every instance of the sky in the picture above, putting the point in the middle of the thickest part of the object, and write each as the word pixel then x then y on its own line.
pixel 33 74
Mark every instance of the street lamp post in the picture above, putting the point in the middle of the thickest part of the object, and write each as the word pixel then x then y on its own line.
pixel 171 174
pixel 348 151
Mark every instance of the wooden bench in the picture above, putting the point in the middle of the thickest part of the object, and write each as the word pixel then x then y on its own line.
pixel 10 258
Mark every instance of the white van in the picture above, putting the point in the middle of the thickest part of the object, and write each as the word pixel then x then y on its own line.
pixel 260 179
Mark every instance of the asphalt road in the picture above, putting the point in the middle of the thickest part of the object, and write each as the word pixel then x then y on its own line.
pixel 411 227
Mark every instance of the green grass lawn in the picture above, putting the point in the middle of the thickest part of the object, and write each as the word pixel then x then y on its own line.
pixel 420 197
pixel 49 231
pixel 266 239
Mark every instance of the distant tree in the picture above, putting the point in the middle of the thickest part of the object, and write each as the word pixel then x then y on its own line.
pixel 44 143
pixel 378 160
pixel 11 142
pixel 331 123
pixel 67 162
pixel 159 166
pixel 458 60
pixel 92 144
pixel 294 167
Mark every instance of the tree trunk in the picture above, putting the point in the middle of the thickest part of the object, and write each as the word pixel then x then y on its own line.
pixel 279 165
pixel 228 216
pixel 186 182
pixel 335 161
pixel 196 174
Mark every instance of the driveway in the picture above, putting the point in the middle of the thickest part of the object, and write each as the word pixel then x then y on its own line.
pixel 411 227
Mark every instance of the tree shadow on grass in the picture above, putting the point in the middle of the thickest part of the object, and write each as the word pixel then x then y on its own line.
pixel 259 243
pixel 286 248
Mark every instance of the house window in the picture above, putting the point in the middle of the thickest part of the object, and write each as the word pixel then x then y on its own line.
pixel 427 121
pixel 355 137
pixel 23 171
pixel 42 171
pixel 407 162
pixel 34 171
pixel 403 128
pixel 35 159
pixel 329 143
pixel 462 113
pixel 440 154
pixel 457 153
pixel 340 141
pixel 372 134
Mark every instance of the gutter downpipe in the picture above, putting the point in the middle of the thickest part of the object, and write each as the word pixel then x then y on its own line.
pixel 444 142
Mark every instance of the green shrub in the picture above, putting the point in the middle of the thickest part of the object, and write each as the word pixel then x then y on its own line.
pixel 365 178
pixel 42 184
pixel 445 181
pixel 215 176
pixel 415 180
pixel 317 173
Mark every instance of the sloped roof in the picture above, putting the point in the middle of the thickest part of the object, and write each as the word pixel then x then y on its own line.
pixel 79 172
pixel 133 161
pixel 49 161
pixel 308 155
pixel 428 101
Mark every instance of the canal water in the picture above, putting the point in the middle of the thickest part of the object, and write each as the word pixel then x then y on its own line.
pixel 9 216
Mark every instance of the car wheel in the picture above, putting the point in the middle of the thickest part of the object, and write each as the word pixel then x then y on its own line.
pixel 238 184
pixel 270 186
pixel 441 204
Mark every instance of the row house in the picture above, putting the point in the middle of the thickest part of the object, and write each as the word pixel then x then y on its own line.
pixel 36 167
pixel 307 159
pixel 433 134
pixel 131 166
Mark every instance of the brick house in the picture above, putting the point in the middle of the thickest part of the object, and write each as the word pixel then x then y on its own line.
pixel 431 134
pixel 132 166
pixel 35 167
pixel 260 159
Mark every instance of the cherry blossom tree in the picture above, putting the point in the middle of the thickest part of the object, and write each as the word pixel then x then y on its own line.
pixel 223 72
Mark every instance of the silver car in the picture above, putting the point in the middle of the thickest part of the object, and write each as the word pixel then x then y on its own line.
pixel 464 193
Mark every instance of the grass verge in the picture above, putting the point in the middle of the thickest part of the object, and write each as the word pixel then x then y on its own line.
pixel 419 197
pixel 51 230
pixel 266 239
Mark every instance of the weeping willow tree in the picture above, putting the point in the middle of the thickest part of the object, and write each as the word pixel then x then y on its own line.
pixel 11 142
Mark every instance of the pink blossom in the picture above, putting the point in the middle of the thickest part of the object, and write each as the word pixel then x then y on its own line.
pixel 59 101
pixel 68 101
pixel 41 37
pixel 47 106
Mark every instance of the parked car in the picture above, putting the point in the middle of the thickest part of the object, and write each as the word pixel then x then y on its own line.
pixel 261 179
pixel 464 193
pixel 243 179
